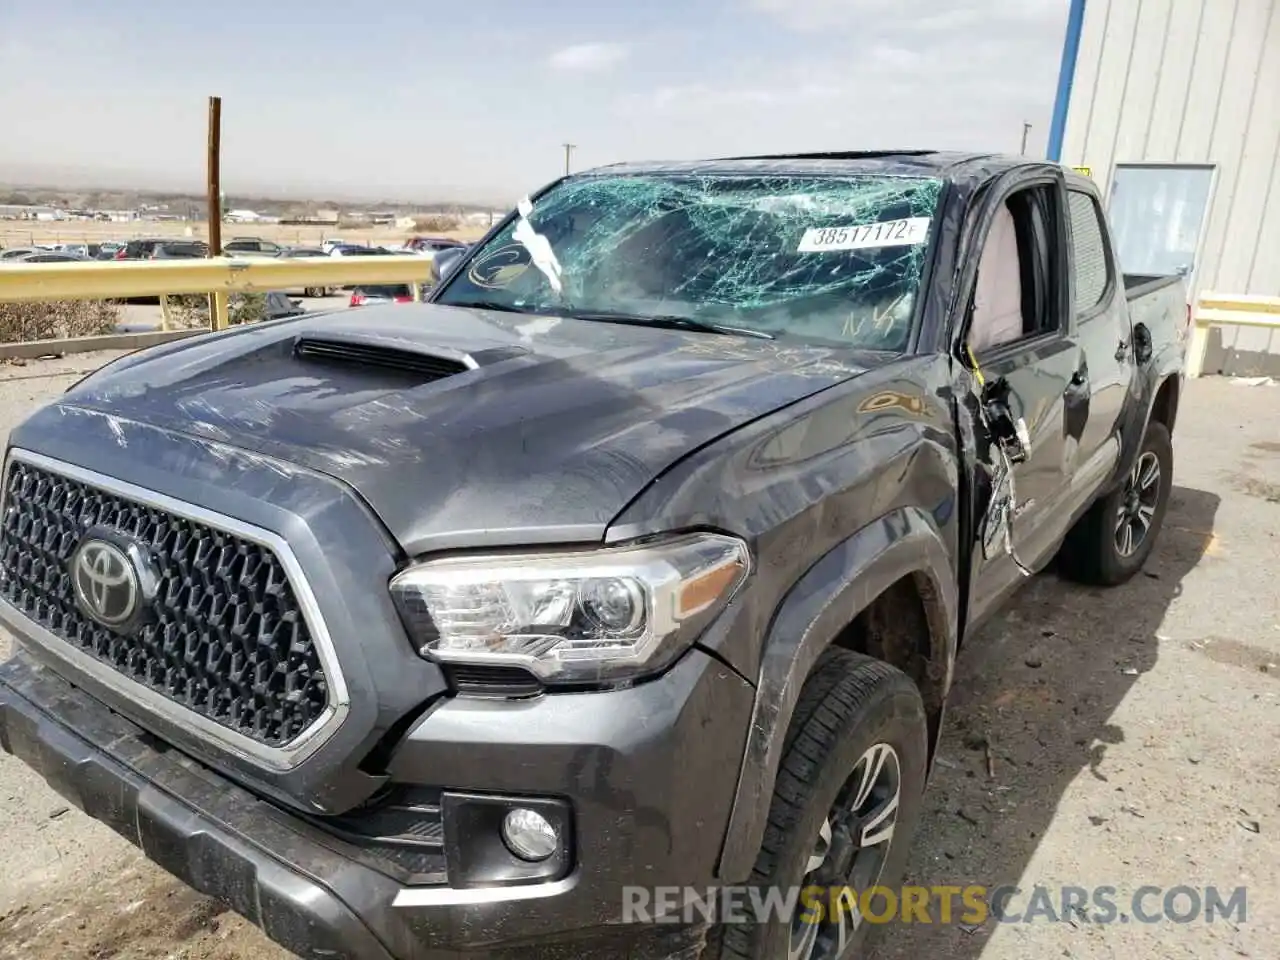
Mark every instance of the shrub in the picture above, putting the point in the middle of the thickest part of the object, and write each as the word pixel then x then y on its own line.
pixel 192 309
pixel 435 224
pixel 54 319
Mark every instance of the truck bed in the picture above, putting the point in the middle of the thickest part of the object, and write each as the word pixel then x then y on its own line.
pixel 1141 284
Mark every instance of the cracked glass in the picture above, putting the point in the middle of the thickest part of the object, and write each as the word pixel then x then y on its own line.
pixel 831 259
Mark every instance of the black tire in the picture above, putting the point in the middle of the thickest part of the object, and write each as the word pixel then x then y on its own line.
pixel 849 705
pixel 1092 552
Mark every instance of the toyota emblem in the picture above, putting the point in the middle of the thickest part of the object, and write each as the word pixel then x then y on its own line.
pixel 106 582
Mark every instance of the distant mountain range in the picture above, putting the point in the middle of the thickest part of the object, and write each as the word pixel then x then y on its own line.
pixel 52 181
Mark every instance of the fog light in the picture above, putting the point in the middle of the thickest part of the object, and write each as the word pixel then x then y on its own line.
pixel 529 835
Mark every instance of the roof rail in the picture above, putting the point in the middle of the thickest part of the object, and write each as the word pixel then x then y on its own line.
pixel 837 155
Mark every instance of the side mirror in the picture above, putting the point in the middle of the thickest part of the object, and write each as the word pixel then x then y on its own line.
pixel 1008 430
pixel 445 262
pixel 1142 343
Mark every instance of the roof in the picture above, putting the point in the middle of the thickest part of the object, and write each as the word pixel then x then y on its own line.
pixel 903 163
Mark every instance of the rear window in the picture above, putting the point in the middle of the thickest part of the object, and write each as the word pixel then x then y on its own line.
pixel 390 291
pixel 1089 249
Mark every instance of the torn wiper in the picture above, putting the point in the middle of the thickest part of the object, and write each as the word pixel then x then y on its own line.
pixel 539 247
pixel 672 322
pixel 489 305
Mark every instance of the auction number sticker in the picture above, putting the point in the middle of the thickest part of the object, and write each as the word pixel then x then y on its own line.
pixel 885 233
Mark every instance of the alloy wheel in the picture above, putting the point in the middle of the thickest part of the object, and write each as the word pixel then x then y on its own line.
pixel 849 854
pixel 1138 505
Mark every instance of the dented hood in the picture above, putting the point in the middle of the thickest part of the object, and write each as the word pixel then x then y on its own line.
pixel 552 426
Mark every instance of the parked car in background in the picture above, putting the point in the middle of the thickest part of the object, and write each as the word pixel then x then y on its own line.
pixel 46 256
pixel 89 250
pixel 180 250
pixel 13 253
pixel 107 249
pixel 139 248
pixel 280 305
pixel 300 252
pixel 251 247
pixel 358 250
pixel 430 246
pixel 369 294
pixel 328 245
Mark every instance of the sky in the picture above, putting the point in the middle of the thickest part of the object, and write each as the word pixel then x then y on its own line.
pixel 431 100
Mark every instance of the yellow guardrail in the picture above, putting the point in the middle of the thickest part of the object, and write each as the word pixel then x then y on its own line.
pixel 1216 309
pixel 217 276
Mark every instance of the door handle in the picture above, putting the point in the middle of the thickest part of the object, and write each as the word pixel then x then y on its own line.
pixel 1122 351
pixel 1079 381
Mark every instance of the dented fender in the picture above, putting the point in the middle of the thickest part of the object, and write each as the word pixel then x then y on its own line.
pixel 813 613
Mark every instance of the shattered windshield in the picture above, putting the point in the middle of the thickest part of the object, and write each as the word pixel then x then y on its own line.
pixel 830 259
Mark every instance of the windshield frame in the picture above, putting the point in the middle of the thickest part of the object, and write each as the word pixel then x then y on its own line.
pixel 929 256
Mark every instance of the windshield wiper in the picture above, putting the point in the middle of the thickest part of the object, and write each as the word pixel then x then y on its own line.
pixel 672 322
pixel 487 305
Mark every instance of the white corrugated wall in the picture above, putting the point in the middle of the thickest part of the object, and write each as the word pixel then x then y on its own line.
pixel 1194 81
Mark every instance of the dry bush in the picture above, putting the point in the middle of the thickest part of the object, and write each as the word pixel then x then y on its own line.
pixel 54 319
pixel 192 309
pixel 435 224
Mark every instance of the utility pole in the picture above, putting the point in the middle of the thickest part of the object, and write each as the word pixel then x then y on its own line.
pixel 1026 129
pixel 568 149
pixel 213 168
pixel 218 299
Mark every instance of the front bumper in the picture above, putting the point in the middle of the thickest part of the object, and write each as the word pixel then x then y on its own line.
pixel 650 773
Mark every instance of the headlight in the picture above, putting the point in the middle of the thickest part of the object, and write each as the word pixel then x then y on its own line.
pixel 572 616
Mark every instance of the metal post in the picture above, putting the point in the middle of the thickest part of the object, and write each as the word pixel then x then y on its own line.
pixel 1026 128
pixel 217 299
pixel 1066 77
pixel 568 148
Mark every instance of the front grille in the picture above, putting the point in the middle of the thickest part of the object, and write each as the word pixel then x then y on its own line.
pixel 224 635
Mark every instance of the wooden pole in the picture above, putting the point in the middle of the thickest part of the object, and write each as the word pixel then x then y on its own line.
pixel 218 299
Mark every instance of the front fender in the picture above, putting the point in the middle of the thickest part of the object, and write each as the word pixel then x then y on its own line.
pixel 812 614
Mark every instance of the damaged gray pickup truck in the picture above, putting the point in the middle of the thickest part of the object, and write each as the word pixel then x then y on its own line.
pixel 637 558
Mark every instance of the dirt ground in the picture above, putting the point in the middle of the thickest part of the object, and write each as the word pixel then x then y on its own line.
pixel 1124 738
pixel 22 233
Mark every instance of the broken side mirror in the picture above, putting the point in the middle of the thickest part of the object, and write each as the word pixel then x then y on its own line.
pixel 1007 429
pixel 1142 344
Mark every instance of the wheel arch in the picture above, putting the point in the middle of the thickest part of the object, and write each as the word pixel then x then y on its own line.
pixel 888 591
pixel 1164 408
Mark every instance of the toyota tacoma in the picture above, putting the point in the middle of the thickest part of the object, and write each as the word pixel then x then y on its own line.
pixel 639 556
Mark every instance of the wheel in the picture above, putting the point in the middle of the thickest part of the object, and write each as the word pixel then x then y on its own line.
pixel 1112 541
pixel 844 807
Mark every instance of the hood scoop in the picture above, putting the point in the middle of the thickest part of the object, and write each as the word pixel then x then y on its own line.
pixel 376 354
